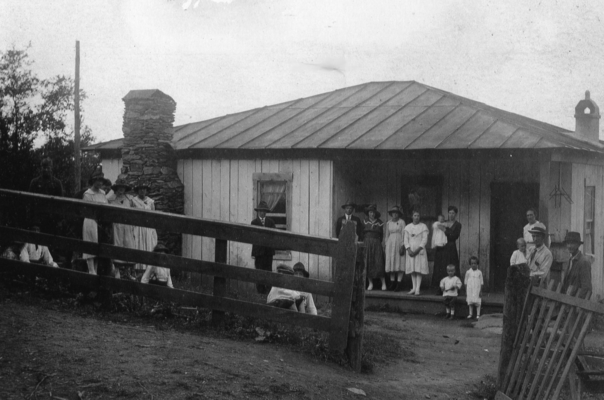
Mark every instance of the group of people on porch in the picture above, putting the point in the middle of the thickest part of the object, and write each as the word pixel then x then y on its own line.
pixel 394 248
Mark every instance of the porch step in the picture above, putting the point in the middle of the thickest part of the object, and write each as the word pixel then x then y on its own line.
pixel 428 302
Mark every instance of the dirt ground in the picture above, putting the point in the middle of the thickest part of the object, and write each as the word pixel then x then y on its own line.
pixel 49 351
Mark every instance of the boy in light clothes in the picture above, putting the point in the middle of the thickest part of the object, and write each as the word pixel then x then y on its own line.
pixel 450 286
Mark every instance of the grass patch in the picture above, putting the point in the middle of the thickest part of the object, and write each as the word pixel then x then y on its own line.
pixel 486 389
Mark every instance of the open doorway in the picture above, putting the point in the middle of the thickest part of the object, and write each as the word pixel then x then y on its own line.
pixel 509 202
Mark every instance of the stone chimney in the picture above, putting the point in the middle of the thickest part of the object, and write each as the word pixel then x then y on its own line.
pixel 587 117
pixel 148 156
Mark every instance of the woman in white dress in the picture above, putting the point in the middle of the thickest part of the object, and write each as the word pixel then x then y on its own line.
pixel 394 240
pixel 144 238
pixel 90 229
pixel 123 235
pixel 416 264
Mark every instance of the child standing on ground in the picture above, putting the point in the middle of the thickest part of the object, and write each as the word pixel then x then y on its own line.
pixel 450 286
pixel 519 256
pixel 439 239
pixel 473 282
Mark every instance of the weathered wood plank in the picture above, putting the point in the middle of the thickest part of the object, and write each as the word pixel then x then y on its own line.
pixel 570 300
pixel 577 219
pixel 197 196
pixel 343 284
pixel 304 209
pixel 178 223
pixel 182 297
pixel 315 213
pixel 326 218
pixel 187 180
pixel 484 235
pixel 173 262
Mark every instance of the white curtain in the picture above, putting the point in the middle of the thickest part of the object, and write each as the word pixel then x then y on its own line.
pixel 272 192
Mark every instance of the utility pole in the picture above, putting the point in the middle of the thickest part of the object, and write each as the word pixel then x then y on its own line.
pixel 76 141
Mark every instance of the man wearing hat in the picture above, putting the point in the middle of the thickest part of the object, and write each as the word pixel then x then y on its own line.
pixel 577 271
pixel 349 208
pixel 263 256
pixel 540 258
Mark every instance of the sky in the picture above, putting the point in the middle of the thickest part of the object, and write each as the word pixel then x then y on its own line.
pixel 217 57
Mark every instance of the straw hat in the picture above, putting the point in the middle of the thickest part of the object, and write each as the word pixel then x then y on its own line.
pixel 141 186
pixel 396 210
pixel 539 229
pixel 573 237
pixel 300 267
pixel 285 269
pixel 120 183
pixel 349 204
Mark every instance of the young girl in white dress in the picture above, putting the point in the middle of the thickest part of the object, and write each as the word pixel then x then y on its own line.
pixel 144 238
pixel 416 264
pixel 473 282
pixel 394 232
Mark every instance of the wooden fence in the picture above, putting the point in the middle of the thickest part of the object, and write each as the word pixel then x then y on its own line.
pixel 551 332
pixel 343 251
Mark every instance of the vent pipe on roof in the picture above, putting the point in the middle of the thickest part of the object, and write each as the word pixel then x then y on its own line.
pixel 587 118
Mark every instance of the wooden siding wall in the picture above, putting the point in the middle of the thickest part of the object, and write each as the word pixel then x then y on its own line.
pixel 467 185
pixel 223 190
pixel 562 216
pixel 111 168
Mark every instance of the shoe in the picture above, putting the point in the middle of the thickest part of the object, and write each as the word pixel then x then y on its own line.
pixel 469 316
pixel 384 287
pixel 370 287
pixel 478 317
pixel 411 291
pixel 416 293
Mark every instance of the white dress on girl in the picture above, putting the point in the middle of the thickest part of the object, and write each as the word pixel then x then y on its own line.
pixel 473 282
pixel 394 233
pixel 439 239
pixel 144 238
pixel 416 236
pixel 123 235
pixel 90 228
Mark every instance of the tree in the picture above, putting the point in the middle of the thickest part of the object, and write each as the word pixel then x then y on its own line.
pixel 32 108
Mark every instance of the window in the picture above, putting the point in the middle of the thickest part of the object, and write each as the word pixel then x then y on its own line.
pixel 589 214
pixel 276 191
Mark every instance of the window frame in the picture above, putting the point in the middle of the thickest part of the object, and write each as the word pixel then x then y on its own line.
pixel 260 177
pixel 589 238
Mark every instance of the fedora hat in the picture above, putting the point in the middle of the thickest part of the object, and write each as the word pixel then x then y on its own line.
pixel 539 228
pixel 262 206
pixel 120 183
pixel 372 207
pixel 160 248
pixel 573 237
pixel 300 267
pixel 141 186
pixel 349 204
pixel 285 269
pixel 396 210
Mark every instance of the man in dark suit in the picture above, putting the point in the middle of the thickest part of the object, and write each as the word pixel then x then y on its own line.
pixel 263 256
pixel 347 218
pixel 577 271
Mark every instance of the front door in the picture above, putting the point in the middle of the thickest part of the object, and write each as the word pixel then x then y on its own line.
pixel 509 202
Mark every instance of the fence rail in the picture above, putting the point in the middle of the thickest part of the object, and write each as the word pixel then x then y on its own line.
pixel 343 251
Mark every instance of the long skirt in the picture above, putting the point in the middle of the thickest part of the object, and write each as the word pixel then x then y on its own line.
pixel 145 239
pixel 90 234
pixel 374 257
pixel 444 256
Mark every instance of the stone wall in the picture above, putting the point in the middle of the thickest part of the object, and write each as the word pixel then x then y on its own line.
pixel 148 156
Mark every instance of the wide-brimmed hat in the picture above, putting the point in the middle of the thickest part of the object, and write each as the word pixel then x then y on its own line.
pixel 285 269
pixel 349 203
pixel 300 267
pixel 538 228
pixel 106 182
pixel 160 248
pixel 141 186
pixel 396 210
pixel 120 183
pixel 96 176
pixel 262 206
pixel 573 237
pixel 372 207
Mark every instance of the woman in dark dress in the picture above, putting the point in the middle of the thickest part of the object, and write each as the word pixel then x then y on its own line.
pixel 374 251
pixel 447 254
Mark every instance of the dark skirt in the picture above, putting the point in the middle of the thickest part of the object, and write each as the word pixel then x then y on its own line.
pixel 444 256
pixel 374 257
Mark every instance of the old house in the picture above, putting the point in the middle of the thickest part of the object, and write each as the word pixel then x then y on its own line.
pixel 377 143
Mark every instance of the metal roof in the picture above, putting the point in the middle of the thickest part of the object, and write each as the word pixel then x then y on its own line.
pixel 377 115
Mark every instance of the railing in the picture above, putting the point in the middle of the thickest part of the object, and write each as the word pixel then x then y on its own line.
pixel 343 251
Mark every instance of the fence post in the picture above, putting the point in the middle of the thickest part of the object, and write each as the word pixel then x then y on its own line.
pixel 517 285
pixel 345 265
pixel 104 265
pixel 354 349
pixel 220 256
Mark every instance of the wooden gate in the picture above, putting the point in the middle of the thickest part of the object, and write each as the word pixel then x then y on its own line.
pixel 553 326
